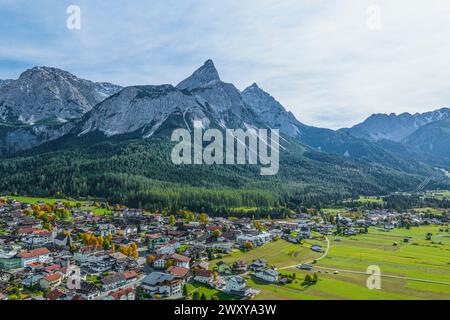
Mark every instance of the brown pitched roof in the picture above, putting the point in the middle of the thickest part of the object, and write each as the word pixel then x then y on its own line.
pixel 53 277
pixel 130 274
pixel 178 272
pixel 55 294
pixel 203 273
pixel 179 257
pixel 34 253
pixel 120 293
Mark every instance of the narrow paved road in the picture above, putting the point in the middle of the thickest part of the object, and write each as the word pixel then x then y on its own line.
pixel 310 262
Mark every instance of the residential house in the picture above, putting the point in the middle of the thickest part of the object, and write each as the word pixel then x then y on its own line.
pixel 235 283
pixel 32 280
pixel 88 290
pixel 50 281
pixel 100 262
pixel 113 281
pixel 256 240
pixel 258 265
pixel 130 276
pixel 201 265
pixel 240 266
pixel 204 276
pixel 122 294
pixel 56 294
pixel 237 286
pixel 169 248
pixel 178 272
pixel 268 275
pixel 85 252
pixel 29 257
pixel 162 284
pixel 37 238
pixel 178 260
pixel 156 241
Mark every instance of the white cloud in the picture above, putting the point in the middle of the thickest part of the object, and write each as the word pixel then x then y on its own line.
pixel 317 57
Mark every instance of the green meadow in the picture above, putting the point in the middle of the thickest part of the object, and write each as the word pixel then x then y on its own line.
pixel 85 205
pixel 279 254
pixel 208 291
pixel 416 260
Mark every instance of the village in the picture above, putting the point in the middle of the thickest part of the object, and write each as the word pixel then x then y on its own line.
pixel 63 250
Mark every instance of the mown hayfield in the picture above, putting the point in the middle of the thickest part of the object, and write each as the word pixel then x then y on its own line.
pixel 34 200
pixel 85 205
pixel 419 259
pixel 370 200
pixel 279 254
pixel 208 291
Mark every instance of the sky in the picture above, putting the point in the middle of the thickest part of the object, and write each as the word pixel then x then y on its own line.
pixel 332 63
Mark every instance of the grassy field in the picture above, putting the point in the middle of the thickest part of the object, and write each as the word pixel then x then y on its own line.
pixel 370 200
pixel 333 210
pixel 208 291
pixel 430 210
pixel 34 200
pixel 85 205
pixel 419 259
pixel 279 254
pixel 364 200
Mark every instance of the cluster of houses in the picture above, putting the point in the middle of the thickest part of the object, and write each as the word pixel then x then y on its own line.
pixel 42 259
pixel 145 256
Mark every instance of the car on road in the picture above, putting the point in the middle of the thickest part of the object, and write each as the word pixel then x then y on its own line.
pixel 305 266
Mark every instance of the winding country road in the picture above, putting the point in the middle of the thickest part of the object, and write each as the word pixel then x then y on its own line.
pixel 318 259
pixel 361 272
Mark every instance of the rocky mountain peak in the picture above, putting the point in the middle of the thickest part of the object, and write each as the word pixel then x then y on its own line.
pixel 271 111
pixel 202 76
pixel 49 94
pixel 395 127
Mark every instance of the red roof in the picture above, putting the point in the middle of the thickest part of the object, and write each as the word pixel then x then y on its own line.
pixel 43 231
pixel 203 273
pixel 55 294
pixel 33 253
pixel 120 293
pixel 130 274
pixel 53 277
pixel 25 230
pixel 179 257
pixel 35 264
pixel 178 271
pixel 52 267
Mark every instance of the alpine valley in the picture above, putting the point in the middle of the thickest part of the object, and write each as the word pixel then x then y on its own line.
pixel 63 135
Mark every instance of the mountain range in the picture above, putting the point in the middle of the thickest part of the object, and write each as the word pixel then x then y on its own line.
pixel 425 136
pixel 62 134
pixel 42 105
pixel 396 127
